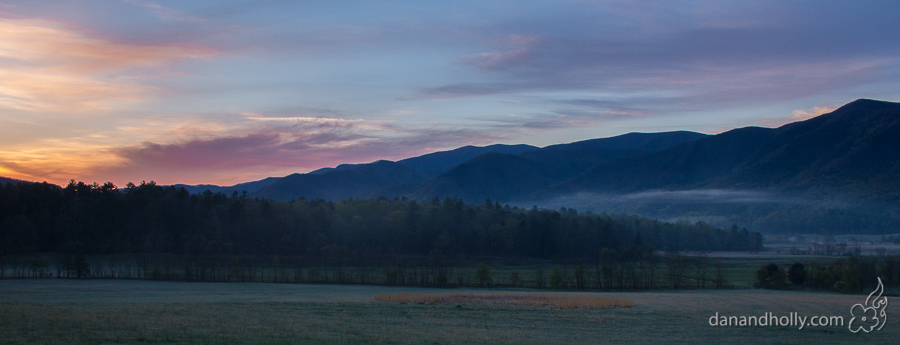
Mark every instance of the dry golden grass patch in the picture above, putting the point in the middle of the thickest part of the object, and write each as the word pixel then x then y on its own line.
pixel 558 301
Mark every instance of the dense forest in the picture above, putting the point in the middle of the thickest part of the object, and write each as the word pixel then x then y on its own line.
pixel 192 231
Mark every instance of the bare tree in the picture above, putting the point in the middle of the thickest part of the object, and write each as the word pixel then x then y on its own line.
pixel 721 275
pixel 842 247
pixel 701 269
pixel 677 266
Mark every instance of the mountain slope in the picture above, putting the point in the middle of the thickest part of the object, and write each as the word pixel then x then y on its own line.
pixel 853 149
pixel 569 160
pixel 249 187
pixel 647 141
pixel 857 145
pixel 508 177
pixel 363 181
pixel 683 166
pixel 438 162
pixel 493 175
pixel 430 165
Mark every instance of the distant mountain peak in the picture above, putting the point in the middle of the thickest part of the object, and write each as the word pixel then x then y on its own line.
pixel 865 104
pixel 438 162
pixel 852 149
pixel 870 101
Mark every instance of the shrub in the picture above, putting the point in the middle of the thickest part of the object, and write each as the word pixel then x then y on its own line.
pixel 483 274
pixel 851 280
pixel 515 279
pixel 556 277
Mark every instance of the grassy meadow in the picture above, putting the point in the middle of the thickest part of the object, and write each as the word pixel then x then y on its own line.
pixel 55 311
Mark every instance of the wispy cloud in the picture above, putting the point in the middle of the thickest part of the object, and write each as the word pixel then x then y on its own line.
pixel 278 151
pixel 124 90
pixel 686 57
pixel 240 147
pixel 49 67
pixel 519 51
pixel 164 12
pixel 307 119
pixel 466 90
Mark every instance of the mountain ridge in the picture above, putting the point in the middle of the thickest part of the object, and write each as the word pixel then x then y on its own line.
pixel 509 177
pixel 852 150
pixel 855 143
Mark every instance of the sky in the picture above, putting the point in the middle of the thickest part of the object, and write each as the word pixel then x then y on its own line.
pixel 223 92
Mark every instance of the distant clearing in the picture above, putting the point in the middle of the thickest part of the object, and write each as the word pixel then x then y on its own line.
pixel 558 301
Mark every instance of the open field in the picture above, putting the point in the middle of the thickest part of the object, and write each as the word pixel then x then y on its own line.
pixel 519 298
pixel 49 311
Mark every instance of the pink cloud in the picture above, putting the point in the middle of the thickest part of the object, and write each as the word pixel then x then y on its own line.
pixel 52 67
pixel 227 152
pixel 237 148
pixel 806 114
pixel 795 116
pixel 276 151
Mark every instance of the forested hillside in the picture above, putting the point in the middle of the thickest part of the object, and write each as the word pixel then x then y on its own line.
pixel 853 151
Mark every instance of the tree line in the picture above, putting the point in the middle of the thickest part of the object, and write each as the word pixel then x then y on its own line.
pixel 652 271
pixel 849 275
pixel 149 231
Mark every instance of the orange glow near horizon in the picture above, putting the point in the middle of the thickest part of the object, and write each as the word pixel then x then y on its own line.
pixel 213 93
pixel 56 161
pixel 52 71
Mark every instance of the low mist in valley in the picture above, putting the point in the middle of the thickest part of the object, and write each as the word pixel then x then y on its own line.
pixel 764 211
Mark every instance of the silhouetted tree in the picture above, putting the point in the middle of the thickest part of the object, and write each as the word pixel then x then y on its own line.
pixel 797 274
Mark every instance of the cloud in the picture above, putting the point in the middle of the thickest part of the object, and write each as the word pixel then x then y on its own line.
pixel 464 90
pixel 685 57
pixel 520 53
pixel 52 68
pixel 499 60
pixel 307 119
pixel 256 145
pixel 806 114
pixel 526 124
pixel 708 196
pixel 280 142
pixel 795 116
pixel 647 84
pixel 56 160
pixel 163 12
pixel 226 148
pixel 600 110
pixel 600 202
pixel 568 71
